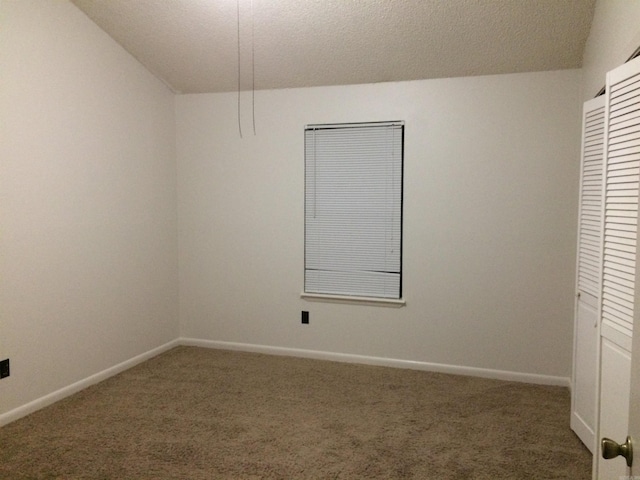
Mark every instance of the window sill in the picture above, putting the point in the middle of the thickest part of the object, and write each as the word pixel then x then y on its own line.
pixel 382 302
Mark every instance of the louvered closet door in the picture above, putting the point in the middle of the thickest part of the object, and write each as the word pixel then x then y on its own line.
pixel 589 274
pixel 622 140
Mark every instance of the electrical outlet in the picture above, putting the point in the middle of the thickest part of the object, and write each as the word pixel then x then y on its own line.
pixel 305 317
pixel 4 368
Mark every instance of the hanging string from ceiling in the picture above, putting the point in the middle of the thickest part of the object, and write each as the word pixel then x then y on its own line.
pixel 239 65
pixel 253 71
pixel 253 75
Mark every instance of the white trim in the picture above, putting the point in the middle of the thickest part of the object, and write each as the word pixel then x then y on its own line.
pixel 64 392
pixel 583 430
pixel 384 362
pixel 384 302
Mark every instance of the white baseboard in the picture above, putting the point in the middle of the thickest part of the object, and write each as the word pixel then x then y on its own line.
pixel 384 362
pixel 584 432
pixel 53 397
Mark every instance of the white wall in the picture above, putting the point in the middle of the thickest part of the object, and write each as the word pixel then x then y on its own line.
pixel 88 244
pixel 491 176
pixel 614 36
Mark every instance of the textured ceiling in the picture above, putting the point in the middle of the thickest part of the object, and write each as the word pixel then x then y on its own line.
pixel 192 45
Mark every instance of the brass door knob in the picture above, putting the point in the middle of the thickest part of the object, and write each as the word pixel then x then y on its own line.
pixel 611 449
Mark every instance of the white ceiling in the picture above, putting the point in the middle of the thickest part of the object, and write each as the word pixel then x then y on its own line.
pixel 192 45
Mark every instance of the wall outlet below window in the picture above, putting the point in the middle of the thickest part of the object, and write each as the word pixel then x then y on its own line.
pixel 305 317
pixel 4 368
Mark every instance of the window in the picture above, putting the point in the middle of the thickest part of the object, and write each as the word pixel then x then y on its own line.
pixel 353 210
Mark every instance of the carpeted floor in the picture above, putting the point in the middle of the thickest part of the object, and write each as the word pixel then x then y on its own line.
pixel 195 413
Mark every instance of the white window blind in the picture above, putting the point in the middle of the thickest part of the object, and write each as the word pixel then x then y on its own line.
pixel 353 209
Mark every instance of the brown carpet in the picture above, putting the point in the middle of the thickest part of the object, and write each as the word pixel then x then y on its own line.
pixel 195 413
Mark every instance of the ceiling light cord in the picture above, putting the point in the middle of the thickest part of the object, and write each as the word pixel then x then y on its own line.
pixel 239 121
pixel 253 71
